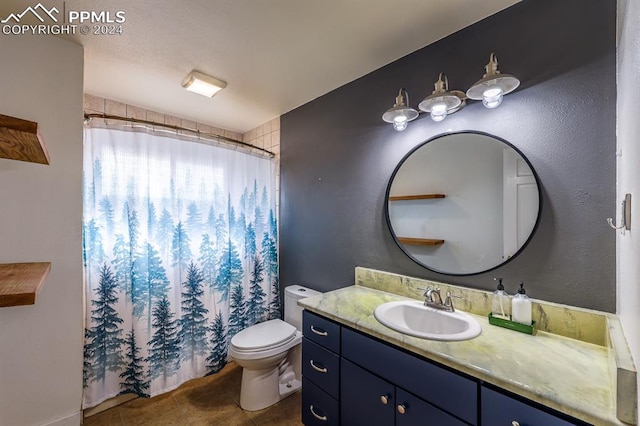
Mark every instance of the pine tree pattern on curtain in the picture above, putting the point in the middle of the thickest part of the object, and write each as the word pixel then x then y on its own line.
pixel 180 254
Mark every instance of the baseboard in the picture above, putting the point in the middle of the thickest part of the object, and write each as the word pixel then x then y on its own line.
pixel 74 419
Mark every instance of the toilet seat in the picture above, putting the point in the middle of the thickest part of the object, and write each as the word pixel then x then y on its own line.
pixel 264 336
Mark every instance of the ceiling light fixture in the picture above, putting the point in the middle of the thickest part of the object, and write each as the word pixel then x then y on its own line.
pixel 203 84
pixel 400 114
pixel 493 85
pixel 442 102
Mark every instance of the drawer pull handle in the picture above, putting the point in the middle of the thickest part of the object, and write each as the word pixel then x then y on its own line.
pixel 515 423
pixel 322 418
pixel 384 399
pixel 319 332
pixel 402 409
pixel 315 367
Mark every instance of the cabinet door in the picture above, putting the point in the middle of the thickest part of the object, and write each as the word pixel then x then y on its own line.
pixel 413 411
pixel 365 399
pixel 502 410
pixel 444 389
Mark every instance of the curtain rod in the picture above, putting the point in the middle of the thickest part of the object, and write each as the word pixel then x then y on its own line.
pixel 176 128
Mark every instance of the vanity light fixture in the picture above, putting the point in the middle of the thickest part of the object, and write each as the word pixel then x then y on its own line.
pixel 442 102
pixel 203 84
pixel 493 85
pixel 400 114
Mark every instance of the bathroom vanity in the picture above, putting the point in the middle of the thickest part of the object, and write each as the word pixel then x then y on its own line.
pixel 358 372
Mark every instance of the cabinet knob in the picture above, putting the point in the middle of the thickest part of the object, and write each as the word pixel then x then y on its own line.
pixel 321 418
pixel 315 367
pixel 384 399
pixel 401 408
pixel 319 332
pixel 515 423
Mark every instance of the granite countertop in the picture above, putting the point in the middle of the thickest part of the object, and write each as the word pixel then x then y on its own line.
pixel 568 375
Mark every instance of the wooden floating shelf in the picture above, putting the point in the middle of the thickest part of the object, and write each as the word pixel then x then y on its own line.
pixel 420 241
pixel 21 282
pixel 20 140
pixel 416 197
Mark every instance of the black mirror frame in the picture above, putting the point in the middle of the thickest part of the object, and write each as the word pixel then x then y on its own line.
pixel 420 145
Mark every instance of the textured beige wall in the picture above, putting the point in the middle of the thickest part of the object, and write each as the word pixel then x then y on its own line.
pixel 41 220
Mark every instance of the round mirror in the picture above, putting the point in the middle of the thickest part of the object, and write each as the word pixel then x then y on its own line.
pixel 463 203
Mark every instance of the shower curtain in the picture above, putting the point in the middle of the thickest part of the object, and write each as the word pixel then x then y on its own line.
pixel 180 253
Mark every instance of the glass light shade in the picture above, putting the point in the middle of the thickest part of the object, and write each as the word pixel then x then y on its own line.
pixel 492 82
pixel 400 114
pixel 438 111
pixel 492 97
pixel 442 102
pixel 400 125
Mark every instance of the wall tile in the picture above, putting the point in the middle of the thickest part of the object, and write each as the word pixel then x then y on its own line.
pixel 156 117
pixel 93 103
pixel 189 124
pixel 266 141
pixel 172 120
pixel 136 112
pixel 275 137
pixel 275 123
pixel 115 108
pixel 204 128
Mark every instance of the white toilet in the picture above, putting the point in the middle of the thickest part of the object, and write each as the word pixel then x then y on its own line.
pixel 271 355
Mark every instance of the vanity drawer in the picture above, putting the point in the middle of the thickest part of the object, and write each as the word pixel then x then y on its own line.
pixel 500 409
pixel 444 389
pixel 418 412
pixel 318 407
pixel 321 366
pixel 321 331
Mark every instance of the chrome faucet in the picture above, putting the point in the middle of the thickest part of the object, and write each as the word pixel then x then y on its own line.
pixel 433 299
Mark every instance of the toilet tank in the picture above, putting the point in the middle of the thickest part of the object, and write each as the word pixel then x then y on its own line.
pixel 293 312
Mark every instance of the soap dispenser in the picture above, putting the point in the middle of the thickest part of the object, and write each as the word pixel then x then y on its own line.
pixel 501 307
pixel 521 306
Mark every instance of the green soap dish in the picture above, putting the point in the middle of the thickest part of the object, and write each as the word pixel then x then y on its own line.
pixel 511 325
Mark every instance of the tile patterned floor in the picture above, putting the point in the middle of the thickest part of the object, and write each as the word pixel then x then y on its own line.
pixel 208 401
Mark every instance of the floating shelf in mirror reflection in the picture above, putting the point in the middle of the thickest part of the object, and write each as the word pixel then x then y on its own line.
pixel 420 241
pixel 490 211
pixel 415 197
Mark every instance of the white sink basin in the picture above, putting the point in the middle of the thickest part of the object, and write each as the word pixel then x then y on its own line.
pixel 415 319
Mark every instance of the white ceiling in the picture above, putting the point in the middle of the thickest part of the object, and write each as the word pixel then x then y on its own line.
pixel 275 55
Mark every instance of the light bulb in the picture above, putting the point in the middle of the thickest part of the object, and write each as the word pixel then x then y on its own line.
pixel 400 125
pixel 438 112
pixel 400 122
pixel 492 97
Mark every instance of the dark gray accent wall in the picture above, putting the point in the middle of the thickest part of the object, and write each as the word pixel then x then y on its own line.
pixel 337 154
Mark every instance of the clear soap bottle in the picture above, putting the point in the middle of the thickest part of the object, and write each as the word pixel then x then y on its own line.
pixel 521 309
pixel 501 307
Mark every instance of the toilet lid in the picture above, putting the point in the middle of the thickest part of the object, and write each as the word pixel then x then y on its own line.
pixel 264 335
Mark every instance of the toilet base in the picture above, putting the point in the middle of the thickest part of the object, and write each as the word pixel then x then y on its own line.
pixel 263 388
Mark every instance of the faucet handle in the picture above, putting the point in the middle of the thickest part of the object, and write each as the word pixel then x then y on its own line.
pixel 448 302
pixel 426 290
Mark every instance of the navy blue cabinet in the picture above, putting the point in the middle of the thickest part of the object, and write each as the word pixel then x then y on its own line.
pixel 320 371
pixel 352 379
pixel 499 409
pixel 370 400
pixel 366 399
